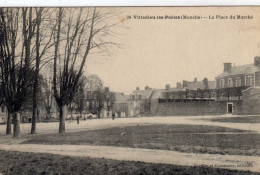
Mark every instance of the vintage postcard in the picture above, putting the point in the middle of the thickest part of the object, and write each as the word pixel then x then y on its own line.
pixel 130 90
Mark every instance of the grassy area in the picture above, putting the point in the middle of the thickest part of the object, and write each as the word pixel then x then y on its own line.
pixel 32 163
pixel 184 138
pixel 247 119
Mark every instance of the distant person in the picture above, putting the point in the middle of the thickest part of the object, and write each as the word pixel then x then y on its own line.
pixel 113 115
pixel 77 119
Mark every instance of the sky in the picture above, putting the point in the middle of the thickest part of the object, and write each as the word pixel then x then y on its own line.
pixel 156 52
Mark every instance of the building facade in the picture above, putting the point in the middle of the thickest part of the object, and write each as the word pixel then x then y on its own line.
pixel 187 98
pixel 140 102
pixel 120 105
pixel 237 76
pixel 235 82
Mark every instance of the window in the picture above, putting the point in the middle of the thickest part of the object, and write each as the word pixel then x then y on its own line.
pixel 222 83
pixel 230 82
pixel 238 81
pixel 250 80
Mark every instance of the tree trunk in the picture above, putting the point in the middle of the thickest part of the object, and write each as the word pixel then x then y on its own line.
pixel 108 112
pixel 98 114
pixel 38 115
pixel 9 124
pixel 36 76
pixel 33 128
pixel 63 113
pixel 48 114
pixel 16 133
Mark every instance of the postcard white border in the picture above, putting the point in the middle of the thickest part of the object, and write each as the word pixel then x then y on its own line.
pixel 51 3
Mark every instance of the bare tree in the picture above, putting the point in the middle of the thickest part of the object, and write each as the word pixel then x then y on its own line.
pixel 99 98
pixel 78 31
pixel 37 67
pixel 42 45
pixel 15 67
pixel 93 84
pixel 80 96
pixel 109 100
pixel 48 93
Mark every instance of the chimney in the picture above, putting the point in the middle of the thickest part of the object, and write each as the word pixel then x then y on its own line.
pixel 257 61
pixel 184 83
pixel 137 88
pixel 227 67
pixel 195 80
pixel 106 89
pixel 178 85
pixel 167 87
pixel 146 87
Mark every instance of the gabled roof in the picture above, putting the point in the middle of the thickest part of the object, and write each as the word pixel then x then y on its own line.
pixel 252 87
pixel 121 98
pixel 145 94
pixel 238 70
pixel 158 93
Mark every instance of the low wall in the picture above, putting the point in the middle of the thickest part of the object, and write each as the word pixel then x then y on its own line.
pixel 195 108
pixel 251 102
pixel 251 107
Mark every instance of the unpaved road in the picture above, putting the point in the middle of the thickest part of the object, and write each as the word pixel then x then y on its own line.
pixel 45 128
pixel 250 163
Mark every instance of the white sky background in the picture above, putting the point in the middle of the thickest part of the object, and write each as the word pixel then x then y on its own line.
pixel 160 52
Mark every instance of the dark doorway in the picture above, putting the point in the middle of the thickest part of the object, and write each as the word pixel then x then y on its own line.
pixel 230 108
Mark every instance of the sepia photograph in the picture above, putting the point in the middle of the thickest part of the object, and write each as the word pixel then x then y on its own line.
pixel 130 90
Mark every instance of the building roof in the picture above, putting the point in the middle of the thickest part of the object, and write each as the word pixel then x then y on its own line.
pixel 252 87
pixel 200 85
pixel 237 70
pixel 158 93
pixel 176 89
pixel 145 94
pixel 121 97
pixel 195 85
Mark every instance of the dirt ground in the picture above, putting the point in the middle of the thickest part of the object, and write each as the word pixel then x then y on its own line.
pixel 245 119
pixel 47 128
pixel 14 163
pixel 195 136
pixel 184 138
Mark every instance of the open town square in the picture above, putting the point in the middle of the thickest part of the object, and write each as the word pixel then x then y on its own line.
pixel 129 90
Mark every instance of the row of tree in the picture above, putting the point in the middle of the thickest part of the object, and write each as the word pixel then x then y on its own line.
pixel 57 40
pixel 92 97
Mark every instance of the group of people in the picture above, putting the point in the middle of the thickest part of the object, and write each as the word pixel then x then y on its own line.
pixel 113 117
